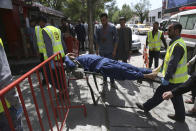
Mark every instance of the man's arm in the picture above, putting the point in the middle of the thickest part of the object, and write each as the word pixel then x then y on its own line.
pixel 164 41
pixel 177 54
pixel 35 42
pixel 186 87
pixel 48 43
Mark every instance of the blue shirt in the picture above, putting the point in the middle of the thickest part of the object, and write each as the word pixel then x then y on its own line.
pixel 106 38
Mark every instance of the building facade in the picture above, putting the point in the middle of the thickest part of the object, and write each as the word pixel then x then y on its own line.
pixel 154 15
pixel 15 17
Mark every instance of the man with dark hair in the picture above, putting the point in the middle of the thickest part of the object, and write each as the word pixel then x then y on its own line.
pixel 174 73
pixel 106 41
pixel 125 41
pixel 153 41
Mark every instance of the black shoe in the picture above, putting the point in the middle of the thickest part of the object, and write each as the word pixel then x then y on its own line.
pixel 140 106
pixel 173 117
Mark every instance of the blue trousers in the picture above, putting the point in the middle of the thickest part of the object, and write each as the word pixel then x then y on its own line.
pixel 107 55
pixel 122 71
pixel 157 99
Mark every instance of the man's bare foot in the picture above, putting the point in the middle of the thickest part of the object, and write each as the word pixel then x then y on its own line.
pixel 156 70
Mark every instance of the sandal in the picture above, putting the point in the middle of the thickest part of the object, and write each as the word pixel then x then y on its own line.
pixel 189 101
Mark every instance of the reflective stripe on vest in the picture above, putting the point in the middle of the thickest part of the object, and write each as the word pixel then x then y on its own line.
pixel 181 75
pixel 40 40
pixel 55 36
pixel 154 44
pixel 1 42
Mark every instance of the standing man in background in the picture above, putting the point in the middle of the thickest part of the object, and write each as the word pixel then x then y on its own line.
pixel 54 43
pixel 153 41
pixel 174 74
pixel 81 34
pixel 106 42
pixel 125 41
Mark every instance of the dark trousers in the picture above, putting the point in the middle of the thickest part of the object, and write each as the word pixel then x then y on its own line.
pixel 193 95
pixel 107 55
pixel 82 44
pixel 157 99
pixel 41 60
pixel 154 55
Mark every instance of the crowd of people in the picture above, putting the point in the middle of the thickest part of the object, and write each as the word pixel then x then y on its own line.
pixel 113 45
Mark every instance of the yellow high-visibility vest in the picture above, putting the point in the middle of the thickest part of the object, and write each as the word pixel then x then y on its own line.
pixel 181 75
pixel 154 43
pixel 40 40
pixel 55 36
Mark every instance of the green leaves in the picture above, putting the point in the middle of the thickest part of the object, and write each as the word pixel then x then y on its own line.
pixel 141 9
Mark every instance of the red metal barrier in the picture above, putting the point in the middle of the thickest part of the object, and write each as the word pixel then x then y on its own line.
pixel 145 57
pixel 57 106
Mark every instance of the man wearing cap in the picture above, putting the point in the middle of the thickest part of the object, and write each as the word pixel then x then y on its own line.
pixel 125 41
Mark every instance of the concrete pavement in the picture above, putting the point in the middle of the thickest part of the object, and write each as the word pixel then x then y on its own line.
pixel 116 111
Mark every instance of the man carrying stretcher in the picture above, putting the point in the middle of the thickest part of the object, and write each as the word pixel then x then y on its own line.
pixel 110 68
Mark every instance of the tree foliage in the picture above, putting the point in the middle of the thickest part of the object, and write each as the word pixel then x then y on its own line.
pixel 141 9
pixel 75 9
pixel 126 12
pixel 55 4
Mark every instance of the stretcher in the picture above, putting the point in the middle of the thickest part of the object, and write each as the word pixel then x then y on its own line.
pixel 94 74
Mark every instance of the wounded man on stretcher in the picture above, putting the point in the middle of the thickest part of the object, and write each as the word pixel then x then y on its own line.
pixel 110 68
